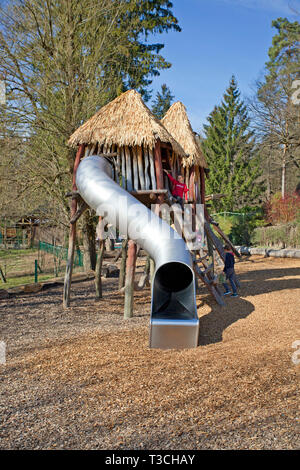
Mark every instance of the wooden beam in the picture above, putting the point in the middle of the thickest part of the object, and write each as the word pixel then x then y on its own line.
pixel 98 270
pixel 152 169
pixel 158 169
pixel 129 282
pixel 123 168
pixel 129 180
pixel 146 159
pixel 166 145
pixel 210 286
pixel 192 195
pixel 149 191
pixel 226 239
pixel 202 191
pixel 82 207
pixel 214 197
pixel 135 169
pixel 72 236
pixel 123 264
pixel 141 167
pixel 214 240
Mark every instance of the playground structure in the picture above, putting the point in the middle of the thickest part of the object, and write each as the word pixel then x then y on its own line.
pixel 124 150
pixel 18 232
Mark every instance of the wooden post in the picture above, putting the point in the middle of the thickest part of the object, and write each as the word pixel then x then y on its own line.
pixel 72 236
pixel 5 232
pixel 135 169
pixel 187 178
pixel 118 165
pixel 129 283
pixel 158 167
pixel 152 270
pixel 98 271
pixel 98 268
pixel 202 189
pixel 152 170
pixel 128 169
pixel 146 274
pixel 141 167
pixel 123 264
pixel 191 186
pixel 146 158
pixel 192 196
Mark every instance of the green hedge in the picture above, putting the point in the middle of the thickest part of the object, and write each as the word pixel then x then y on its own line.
pixel 239 227
pixel 279 236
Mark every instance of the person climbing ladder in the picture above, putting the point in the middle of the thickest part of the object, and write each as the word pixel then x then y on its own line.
pixel 229 272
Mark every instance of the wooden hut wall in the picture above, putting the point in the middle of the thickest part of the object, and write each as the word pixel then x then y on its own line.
pixel 134 167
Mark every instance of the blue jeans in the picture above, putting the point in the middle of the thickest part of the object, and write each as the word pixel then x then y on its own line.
pixel 230 276
pixel 179 200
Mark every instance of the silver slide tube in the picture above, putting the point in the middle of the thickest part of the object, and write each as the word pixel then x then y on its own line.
pixel 174 321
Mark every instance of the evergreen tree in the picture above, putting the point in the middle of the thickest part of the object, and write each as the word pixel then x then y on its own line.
pixel 284 54
pixel 230 150
pixel 162 101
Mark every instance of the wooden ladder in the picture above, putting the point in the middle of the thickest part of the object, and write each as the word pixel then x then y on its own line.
pixel 218 244
pixel 207 277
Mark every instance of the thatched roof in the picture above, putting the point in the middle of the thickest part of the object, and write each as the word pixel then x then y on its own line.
pixel 176 121
pixel 124 121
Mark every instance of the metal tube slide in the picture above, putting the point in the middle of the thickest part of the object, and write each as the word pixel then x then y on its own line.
pixel 174 321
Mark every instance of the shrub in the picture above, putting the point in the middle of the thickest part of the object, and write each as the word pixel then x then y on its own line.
pixel 239 226
pixel 281 236
pixel 281 210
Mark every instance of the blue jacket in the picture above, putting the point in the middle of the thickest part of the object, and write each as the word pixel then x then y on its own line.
pixel 229 261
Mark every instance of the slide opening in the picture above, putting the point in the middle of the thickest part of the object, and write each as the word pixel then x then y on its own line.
pixel 174 277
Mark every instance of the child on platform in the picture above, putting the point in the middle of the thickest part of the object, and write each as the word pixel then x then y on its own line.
pixel 179 189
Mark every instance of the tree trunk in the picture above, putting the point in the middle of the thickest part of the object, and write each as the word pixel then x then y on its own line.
pixel 283 175
pixel 89 243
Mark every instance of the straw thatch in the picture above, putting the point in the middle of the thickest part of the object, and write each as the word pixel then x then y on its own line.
pixel 176 121
pixel 126 121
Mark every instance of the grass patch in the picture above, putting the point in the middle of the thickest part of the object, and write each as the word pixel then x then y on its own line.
pixel 20 280
pixel 15 254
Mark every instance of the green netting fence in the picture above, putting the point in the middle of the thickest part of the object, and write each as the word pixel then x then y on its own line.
pixel 61 252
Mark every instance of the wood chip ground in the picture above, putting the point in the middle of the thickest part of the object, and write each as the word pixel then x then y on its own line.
pixel 85 378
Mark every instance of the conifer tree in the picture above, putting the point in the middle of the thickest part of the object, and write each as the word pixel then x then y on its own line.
pixel 231 153
pixel 162 101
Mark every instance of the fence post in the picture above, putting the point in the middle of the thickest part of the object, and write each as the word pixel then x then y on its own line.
pixel 35 270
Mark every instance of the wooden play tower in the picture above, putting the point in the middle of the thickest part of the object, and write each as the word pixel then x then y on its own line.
pixel 140 147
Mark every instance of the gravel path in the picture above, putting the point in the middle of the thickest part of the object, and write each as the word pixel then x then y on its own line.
pixel 86 379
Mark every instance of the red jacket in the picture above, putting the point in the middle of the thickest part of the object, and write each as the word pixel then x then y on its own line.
pixel 178 188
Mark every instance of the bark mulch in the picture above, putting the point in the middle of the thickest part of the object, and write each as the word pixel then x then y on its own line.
pixel 85 378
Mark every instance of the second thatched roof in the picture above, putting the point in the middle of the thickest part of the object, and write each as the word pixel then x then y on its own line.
pixel 124 121
pixel 176 121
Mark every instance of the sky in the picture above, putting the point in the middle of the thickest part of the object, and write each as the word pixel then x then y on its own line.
pixel 219 38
